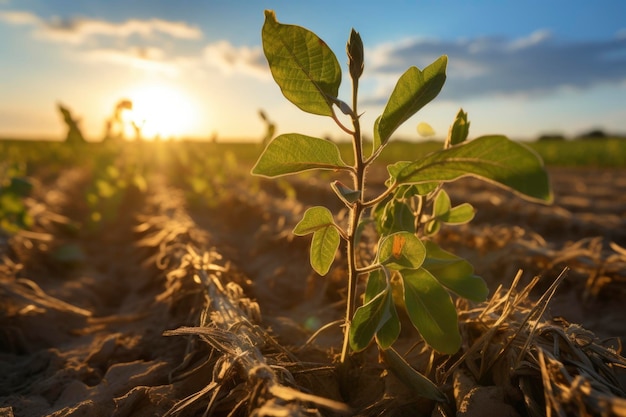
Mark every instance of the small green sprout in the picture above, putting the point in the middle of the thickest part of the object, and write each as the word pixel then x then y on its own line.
pixel 408 269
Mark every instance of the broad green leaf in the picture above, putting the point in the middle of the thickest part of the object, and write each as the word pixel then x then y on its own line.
pixel 454 273
pixel 396 217
pixel 413 91
pixel 345 193
pixel 390 330
pixel 422 386
pixel 431 310
pixel 314 219
pixel 401 250
pixel 460 214
pixel 442 204
pixel 323 249
pixel 459 129
pixel 293 152
pixel 492 158
pixel 303 66
pixel 376 283
pixel 368 319
pixel 444 212
pixel 319 221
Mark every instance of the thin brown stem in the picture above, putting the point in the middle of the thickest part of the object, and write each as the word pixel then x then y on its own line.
pixel 355 216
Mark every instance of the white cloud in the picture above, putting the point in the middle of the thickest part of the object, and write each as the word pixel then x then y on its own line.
pixel 149 59
pixel 79 30
pixel 228 59
pixel 533 39
pixel 496 66
pixel 17 17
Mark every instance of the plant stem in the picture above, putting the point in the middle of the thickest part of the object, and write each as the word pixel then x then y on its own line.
pixel 355 216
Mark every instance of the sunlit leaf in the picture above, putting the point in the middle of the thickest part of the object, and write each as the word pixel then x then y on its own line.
pixel 319 221
pixel 461 214
pixel 401 250
pixel 303 66
pixel 292 153
pixel 324 246
pixel 414 90
pixel 444 212
pixel 492 158
pixel 431 310
pixel 455 273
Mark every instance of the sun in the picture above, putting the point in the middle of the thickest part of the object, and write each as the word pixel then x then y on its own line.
pixel 161 111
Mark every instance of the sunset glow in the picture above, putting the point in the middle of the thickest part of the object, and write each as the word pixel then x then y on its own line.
pixel 198 70
pixel 161 111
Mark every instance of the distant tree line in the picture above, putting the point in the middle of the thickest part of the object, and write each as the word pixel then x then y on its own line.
pixel 589 135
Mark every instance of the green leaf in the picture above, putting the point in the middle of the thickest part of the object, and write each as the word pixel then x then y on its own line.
pixel 444 212
pixel 390 330
pixel 396 217
pixel 323 249
pixel 459 129
pixel 460 214
pixel 422 386
pixel 442 205
pixel 303 66
pixel 413 91
pixel 431 310
pixel 319 221
pixel 454 273
pixel 376 283
pixel 401 250
pixel 368 320
pixel 292 153
pixel 492 158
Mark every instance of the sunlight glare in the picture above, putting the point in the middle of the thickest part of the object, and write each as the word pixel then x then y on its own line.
pixel 162 111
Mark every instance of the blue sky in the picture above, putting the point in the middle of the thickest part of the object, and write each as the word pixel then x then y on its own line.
pixel 196 68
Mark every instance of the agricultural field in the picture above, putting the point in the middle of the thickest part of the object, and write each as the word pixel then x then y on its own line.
pixel 162 278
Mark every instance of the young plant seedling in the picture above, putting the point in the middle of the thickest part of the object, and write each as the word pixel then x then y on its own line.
pixel 408 268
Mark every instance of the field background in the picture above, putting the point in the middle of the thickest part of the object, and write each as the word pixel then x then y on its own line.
pixel 114 245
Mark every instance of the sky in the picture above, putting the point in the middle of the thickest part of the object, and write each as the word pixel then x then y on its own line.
pixel 197 69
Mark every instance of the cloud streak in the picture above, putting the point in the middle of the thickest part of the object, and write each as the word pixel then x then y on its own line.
pixel 229 59
pixel 80 30
pixel 493 66
pixel 95 39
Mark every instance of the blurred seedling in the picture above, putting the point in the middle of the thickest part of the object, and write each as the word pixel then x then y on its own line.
pixel 407 269
pixel 14 188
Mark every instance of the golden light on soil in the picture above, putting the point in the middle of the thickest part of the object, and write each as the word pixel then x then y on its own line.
pixel 161 111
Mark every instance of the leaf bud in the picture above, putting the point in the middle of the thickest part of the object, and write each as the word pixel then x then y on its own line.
pixel 354 49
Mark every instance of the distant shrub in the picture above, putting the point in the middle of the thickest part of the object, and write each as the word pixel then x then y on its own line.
pixel 551 137
pixel 594 134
